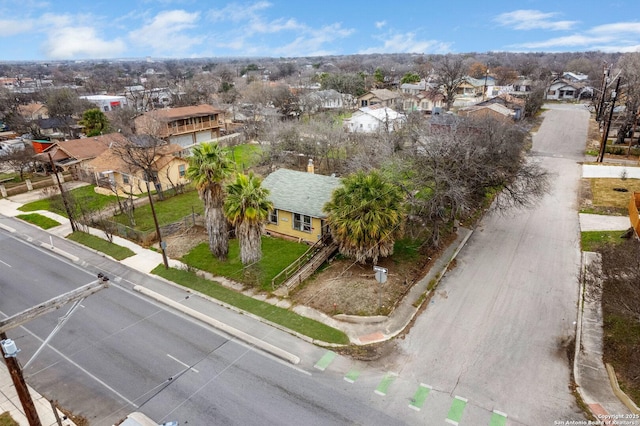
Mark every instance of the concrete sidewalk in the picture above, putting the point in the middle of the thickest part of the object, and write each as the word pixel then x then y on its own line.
pixel 9 402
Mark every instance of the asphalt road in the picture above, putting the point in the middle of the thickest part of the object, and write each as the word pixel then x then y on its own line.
pixel 120 352
pixel 496 332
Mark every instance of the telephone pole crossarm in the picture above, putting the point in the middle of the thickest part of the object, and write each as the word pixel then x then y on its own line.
pixel 52 304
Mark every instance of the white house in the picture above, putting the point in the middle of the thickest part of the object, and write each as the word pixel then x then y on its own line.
pixel 374 118
pixel 564 90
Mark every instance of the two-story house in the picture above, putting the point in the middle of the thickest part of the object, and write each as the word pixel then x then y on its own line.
pixel 184 126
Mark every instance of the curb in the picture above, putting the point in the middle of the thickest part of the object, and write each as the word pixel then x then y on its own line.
pixel 267 347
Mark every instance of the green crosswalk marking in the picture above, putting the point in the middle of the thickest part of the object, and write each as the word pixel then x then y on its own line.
pixel 385 383
pixel 420 396
pixel 498 419
pixel 352 376
pixel 326 359
pixel 455 412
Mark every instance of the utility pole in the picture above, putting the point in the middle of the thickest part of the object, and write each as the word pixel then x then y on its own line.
pixel 10 350
pixel 62 194
pixel 18 381
pixel 155 221
pixel 603 88
pixel 605 134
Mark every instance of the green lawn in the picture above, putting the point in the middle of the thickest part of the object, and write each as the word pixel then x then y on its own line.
pixel 283 317
pixel 277 254
pixel 168 211
pixel 84 195
pixel 245 156
pixel 101 245
pixel 39 220
pixel 592 240
pixel 7 420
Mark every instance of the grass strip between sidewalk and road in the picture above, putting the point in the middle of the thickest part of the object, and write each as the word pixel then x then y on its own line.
pixel 593 240
pixel 39 220
pixel 111 249
pixel 290 320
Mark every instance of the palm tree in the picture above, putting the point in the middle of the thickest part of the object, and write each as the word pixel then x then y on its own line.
pixel 365 216
pixel 247 207
pixel 209 168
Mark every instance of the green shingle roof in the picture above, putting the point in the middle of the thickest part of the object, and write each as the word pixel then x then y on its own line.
pixel 300 192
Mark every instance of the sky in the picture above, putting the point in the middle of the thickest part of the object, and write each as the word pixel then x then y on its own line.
pixel 41 30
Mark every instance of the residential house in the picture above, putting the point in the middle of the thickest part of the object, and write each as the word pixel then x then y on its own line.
pixel 521 87
pixel 563 90
pixel 384 97
pixel 514 104
pixel 73 155
pixel 575 77
pixel 374 118
pixel 414 88
pixel 298 199
pixel 112 174
pixel 475 87
pixel 33 111
pixel 495 111
pixel 426 101
pixel 184 126
pixel 59 128
pixel 325 100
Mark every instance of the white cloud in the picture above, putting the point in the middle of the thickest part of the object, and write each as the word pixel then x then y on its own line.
pixel 531 20
pixel 249 22
pixel 312 42
pixel 74 42
pixel 617 28
pixel 407 43
pixel 165 33
pixel 616 37
pixel 236 12
pixel 9 27
pixel 380 24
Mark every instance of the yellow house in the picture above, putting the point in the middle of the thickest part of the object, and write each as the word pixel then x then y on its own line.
pixel 298 199
pixel 112 174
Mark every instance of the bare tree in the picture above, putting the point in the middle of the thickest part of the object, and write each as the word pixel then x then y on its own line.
pixel 630 73
pixel 455 169
pixel 449 75
pixel 18 159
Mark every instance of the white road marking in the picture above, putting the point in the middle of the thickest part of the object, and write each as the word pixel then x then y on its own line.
pixel 78 366
pixel 5 263
pixel 182 363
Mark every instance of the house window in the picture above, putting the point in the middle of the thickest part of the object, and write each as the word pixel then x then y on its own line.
pixel 182 170
pixel 125 179
pixel 301 222
pixel 273 217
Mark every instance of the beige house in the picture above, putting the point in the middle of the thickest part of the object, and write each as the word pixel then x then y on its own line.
pixel 113 174
pixel 184 126
pixel 298 199
pixel 33 111
pixel 73 154
pixel 384 97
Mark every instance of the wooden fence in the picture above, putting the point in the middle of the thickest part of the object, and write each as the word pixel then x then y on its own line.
pixel 634 215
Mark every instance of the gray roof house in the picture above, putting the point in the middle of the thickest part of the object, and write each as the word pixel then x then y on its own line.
pixel 298 199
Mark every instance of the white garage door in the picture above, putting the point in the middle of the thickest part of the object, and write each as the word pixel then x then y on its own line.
pixel 182 140
pixel 204 136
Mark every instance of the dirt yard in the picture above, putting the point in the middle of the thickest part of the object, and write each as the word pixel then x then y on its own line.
pixel 342 286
